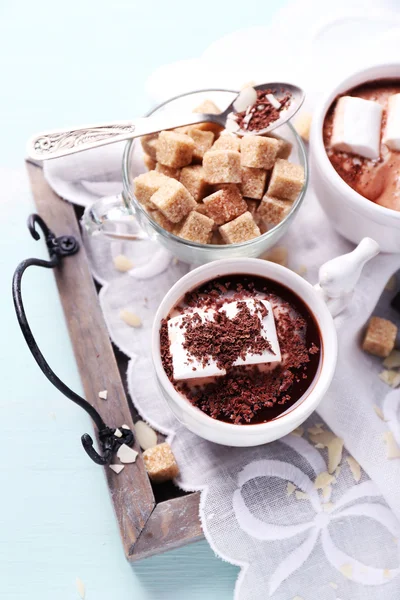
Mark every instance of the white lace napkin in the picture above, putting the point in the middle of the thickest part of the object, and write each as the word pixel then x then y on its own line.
pixel 289 543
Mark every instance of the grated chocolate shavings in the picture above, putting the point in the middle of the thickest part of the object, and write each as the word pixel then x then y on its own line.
pixel 248 394
pixel 262 113
pixel 224 339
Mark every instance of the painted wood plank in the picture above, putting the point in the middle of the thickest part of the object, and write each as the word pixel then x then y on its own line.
pixel 131 491
pixel 173 523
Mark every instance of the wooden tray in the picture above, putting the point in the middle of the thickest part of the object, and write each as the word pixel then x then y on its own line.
pixel 151 520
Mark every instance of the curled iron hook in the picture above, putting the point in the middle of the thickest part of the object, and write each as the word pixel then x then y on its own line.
pixel 60 247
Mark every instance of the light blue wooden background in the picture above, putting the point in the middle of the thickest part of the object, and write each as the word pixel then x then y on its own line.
pixel 63 63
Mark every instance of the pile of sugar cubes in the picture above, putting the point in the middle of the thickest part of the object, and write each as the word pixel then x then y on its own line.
pixel 209 186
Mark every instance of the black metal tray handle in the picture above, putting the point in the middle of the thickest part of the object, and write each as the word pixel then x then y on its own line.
pixel 60 248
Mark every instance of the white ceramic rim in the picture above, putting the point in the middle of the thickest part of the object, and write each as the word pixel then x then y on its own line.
pixel 256 266
pixel 375 72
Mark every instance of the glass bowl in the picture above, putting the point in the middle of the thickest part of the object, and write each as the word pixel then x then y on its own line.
pixel 193 252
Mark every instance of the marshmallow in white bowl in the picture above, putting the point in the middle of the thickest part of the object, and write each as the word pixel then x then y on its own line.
pixel 357 127
pixel 187 366
pixel 391 136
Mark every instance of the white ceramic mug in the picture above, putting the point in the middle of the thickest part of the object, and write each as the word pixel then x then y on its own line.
pixel 337 279
pixel 352 215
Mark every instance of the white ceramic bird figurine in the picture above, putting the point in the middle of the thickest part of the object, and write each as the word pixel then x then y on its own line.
pixel 338 277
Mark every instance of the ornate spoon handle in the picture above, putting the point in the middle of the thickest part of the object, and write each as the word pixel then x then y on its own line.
pixel 60 142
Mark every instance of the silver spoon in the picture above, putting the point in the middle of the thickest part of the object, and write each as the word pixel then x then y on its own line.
pixel 60 142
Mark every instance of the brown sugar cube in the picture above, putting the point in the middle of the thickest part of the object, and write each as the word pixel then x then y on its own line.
pixel 149 144
pixel 222 166
pixel 227 141
pixel 253 182
pixel 252 206
pixel 160 463
pixel 208 106
pixel 149 162
pixel 194 180
pixel 174 149
pixel 183 129
pixel 285 147
pixel 225 205
pixel 168 171
pixel 380 337
pixel 273 210
pixel 173 200
pixel 147 184
pixel 286 181
pixel 159 218
pixel 258 152
pixel 240 230
pixel 203 141
pixel 197 228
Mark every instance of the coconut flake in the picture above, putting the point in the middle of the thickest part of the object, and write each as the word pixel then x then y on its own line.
pixel 117 468
pixel 393 360
pixel 299 431
pixel 392 449
pixel 80 586
pixel 118 433
pixel 323 480
pixel 272 100
pixel 126 454
pixel 122 263
pixel 290 488
pixel 335 450
pixel 125 426
pixel 379 412
pixel 390 377
pixel 130 318
pixel 103 395
pixel 354 468
pixel 347 570
pixel 327 492
pixel 324 438
pixel 333 585
pixel 145 435
pixel 247 97
pixel 316 430
pixel 301 495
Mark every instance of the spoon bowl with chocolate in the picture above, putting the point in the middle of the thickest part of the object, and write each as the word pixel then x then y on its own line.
pixel 355 156
pixel 244 350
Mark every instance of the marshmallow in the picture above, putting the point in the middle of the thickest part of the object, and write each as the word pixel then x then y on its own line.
pixel 186 366
pixel 357 127
pixel 391 136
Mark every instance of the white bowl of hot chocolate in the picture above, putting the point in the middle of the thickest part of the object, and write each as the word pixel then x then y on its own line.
pixel 355 156
pixel 244 349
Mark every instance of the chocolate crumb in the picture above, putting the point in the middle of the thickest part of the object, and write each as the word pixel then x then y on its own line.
pixel 264 112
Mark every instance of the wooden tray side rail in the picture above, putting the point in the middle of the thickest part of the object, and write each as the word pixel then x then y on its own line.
pixel 146 527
